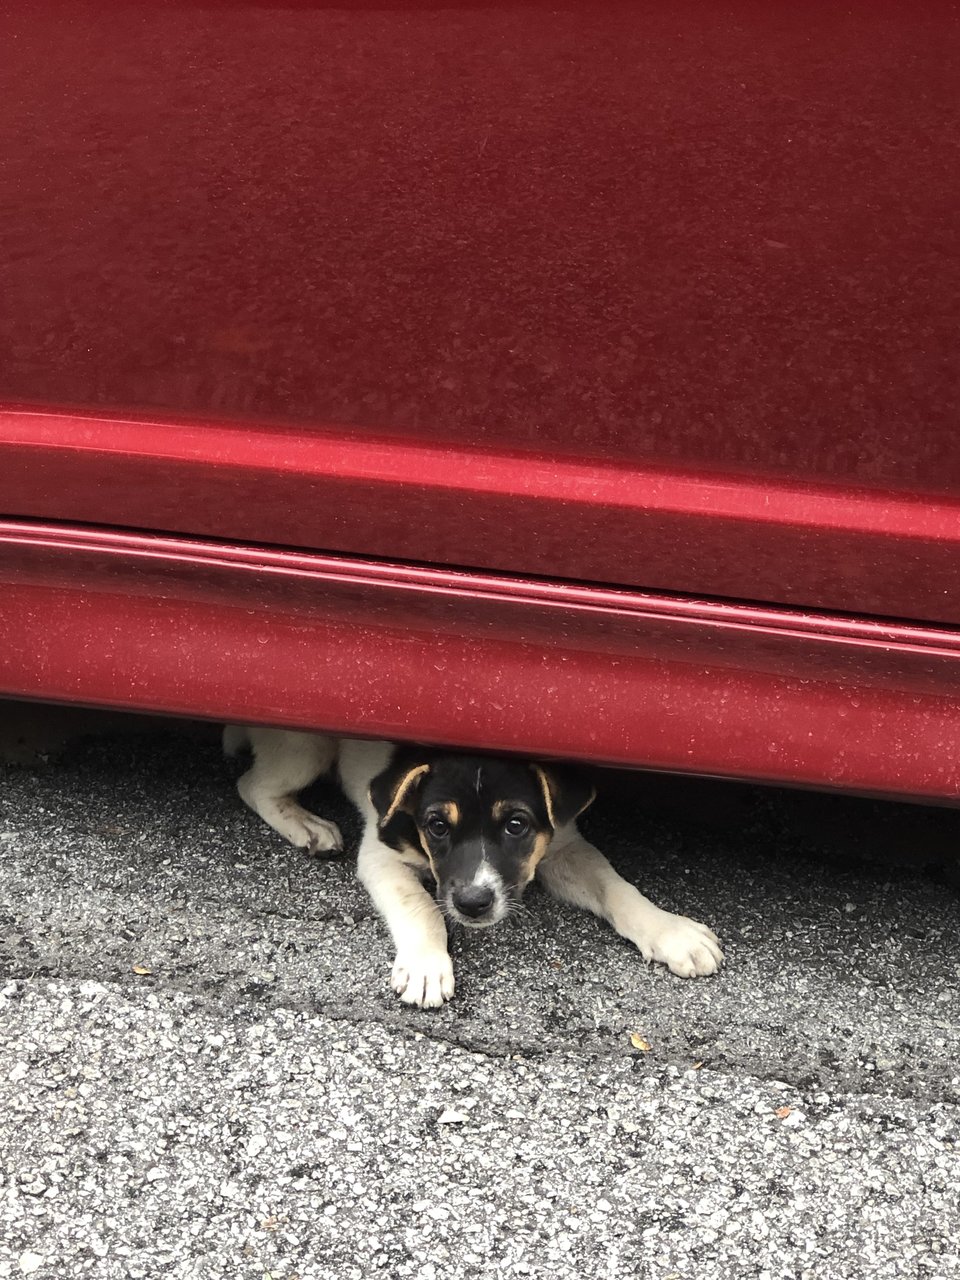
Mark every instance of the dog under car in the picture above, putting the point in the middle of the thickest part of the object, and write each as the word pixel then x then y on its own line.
pixel 479 828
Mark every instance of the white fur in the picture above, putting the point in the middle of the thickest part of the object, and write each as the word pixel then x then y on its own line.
pixel 485 877
pixel 284 763
pixel 573 870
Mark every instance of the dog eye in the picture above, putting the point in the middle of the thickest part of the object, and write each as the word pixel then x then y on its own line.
pixel 437 827
pixel 517 826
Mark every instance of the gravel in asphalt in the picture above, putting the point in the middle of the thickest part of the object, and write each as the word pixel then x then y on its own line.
pixel 203 1073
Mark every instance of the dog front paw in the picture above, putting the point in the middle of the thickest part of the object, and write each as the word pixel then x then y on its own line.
pixel 423 978
pixel 687 947
pixel 314 835
pixel 324 837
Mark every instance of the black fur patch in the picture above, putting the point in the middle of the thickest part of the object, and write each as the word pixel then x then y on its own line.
pixel 502 812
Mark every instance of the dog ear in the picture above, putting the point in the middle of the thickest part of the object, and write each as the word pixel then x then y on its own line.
pixel 566 792
pixel 393 791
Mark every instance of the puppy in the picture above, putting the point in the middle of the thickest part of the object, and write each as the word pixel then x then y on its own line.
pixel 479 827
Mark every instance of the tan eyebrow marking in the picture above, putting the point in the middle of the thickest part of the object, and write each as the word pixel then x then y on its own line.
pixel 450 810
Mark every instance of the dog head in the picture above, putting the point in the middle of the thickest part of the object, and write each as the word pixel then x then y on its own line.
pixel 483 824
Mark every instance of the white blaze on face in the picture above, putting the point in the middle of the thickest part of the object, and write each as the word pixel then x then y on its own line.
pixel 483 846
pixel 486 877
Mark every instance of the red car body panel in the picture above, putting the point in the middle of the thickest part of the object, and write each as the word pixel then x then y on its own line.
pixel 519 512
pixel 498 663
pixel 650 296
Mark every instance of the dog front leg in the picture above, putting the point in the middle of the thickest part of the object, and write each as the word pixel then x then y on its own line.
pixel 422 971
pixel 284 762
pixel 576 872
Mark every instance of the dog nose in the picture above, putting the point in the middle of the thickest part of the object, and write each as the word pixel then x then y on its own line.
pixel 473 900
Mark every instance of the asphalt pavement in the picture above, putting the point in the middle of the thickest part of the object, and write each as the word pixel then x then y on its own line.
pixel 203 1072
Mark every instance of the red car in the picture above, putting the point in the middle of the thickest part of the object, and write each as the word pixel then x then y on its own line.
pixel 573 379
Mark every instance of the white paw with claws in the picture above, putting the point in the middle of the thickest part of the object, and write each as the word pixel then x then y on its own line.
pixel 314 835
pixel 321 836
pixel 423 978
pixel 688 948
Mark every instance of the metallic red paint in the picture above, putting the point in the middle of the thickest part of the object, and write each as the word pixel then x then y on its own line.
pixel 522 513
pixel 542 668
pixel 714 247
pixel 654 295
